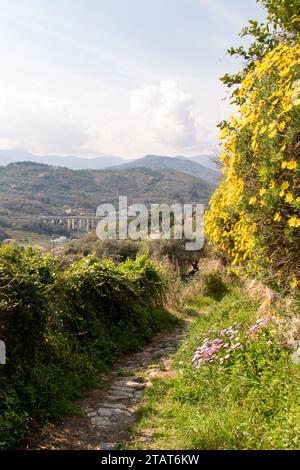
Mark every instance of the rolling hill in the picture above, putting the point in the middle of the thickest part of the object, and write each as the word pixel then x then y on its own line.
pixel 181 164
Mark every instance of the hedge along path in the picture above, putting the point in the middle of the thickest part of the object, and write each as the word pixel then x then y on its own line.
pixel 108 414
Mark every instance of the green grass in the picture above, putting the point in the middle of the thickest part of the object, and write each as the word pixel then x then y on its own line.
pixel 252 403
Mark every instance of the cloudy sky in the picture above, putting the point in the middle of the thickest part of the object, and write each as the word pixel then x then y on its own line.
pixel 116 77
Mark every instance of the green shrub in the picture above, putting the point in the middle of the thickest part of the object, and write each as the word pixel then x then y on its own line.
pixel 175 252
pixel 213 285
pixel 254 215
pixel 60 328
pixel 116 250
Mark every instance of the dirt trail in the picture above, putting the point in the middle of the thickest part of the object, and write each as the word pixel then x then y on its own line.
pixel 108 414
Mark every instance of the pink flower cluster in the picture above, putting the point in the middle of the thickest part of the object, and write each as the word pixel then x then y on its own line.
pixel 221 347
pixel 259 325
pixel 228 341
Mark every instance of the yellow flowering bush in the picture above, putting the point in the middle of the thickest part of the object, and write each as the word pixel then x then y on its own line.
pixel 254 216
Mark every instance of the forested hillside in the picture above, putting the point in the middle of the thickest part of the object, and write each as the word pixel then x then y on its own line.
pixel 33 189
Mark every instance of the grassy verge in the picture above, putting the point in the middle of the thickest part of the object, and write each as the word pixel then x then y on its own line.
pixel 250 402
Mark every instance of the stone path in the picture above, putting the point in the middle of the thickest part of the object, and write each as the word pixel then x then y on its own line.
pixel 109 413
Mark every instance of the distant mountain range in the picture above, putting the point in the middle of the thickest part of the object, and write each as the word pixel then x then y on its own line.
pixel 78 163
pixel 74 163
pixel 180 164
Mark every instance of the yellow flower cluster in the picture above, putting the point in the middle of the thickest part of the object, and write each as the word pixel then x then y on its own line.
pixel 291 165
pixel 254 215
pixel 294 222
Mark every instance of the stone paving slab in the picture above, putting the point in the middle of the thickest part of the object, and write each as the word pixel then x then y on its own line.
pixel 107 415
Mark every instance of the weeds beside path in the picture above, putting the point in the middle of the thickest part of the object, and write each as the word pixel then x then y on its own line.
pixel 250 402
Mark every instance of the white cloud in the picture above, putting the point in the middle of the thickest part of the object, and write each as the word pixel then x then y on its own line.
pixel 163 114
pixel 161 118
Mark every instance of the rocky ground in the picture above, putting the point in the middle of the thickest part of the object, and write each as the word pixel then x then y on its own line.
pixel 108 413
